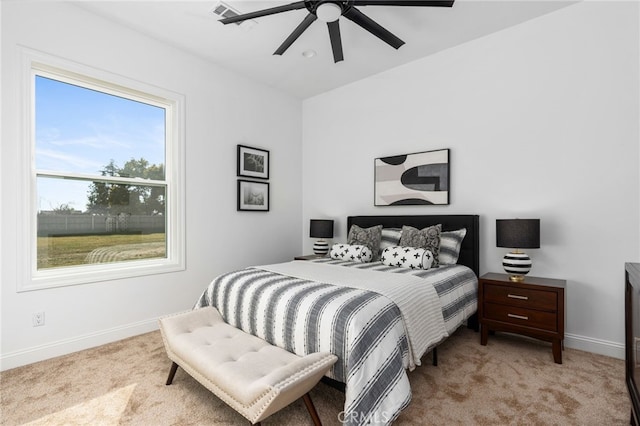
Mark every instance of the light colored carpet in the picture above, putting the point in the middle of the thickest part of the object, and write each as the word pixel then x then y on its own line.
pixel 511 381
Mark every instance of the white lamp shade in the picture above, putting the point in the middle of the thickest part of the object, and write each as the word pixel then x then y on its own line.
pixel 328 12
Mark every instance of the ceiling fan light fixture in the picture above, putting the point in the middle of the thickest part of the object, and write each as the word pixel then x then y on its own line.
pixel 328 12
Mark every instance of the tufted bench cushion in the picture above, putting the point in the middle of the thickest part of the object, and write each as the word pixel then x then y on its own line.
pixel 250 375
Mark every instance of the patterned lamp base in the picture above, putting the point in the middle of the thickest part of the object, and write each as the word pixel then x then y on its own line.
pixel 517 264
pixel 321 247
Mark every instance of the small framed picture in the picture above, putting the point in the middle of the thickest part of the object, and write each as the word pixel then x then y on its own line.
pixel 253 196
pixel 253 162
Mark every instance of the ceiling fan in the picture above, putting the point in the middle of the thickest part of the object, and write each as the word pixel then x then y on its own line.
pixel 330 11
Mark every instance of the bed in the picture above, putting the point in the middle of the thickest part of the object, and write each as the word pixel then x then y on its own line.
pixel 379 320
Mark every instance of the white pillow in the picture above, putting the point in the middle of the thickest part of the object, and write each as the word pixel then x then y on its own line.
pixel 407 257
pixel 352 253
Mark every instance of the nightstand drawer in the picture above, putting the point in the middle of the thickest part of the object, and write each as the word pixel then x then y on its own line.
pixel 523 297
pixel 520 316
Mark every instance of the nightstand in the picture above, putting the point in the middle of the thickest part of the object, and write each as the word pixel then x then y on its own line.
pixel 310 257
pixel 534 307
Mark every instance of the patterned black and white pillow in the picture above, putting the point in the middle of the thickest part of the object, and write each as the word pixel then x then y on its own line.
pixel 351 253
pixel 427 238
pixel 407 257
pixel 390 237
pixel 369 237
pixel 450 243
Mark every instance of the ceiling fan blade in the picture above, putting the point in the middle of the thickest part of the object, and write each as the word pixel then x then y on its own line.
pixel 336 41
pixel 373 27
pixel 296 33
pixel 432 3
pixel 265 12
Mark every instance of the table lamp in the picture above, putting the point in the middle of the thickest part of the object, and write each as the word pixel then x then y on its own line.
pixel 321 228
pixel 517 234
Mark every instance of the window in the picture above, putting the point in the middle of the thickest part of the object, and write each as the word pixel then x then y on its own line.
pixel 105 176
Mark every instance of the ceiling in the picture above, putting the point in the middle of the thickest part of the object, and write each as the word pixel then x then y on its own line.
pixel 191 26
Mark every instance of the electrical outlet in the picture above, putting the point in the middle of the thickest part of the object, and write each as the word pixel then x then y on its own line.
pixel 38 319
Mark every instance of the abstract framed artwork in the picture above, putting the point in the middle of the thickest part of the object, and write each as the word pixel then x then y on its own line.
pixel 253 162
pixel 253 196
pixel 412 179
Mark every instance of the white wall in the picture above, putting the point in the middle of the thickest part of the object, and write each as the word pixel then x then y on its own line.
pixel 222 110
pixel 542 122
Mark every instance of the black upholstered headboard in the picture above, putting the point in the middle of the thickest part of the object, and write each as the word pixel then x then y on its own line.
pixel 469 252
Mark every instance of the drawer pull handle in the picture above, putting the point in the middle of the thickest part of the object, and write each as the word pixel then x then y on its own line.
pixel 515 296
pixel 522 317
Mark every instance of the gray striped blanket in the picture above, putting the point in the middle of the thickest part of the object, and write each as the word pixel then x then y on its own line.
pixel 457 287
pixel 363 328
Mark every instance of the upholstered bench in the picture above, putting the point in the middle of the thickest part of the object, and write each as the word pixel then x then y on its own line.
pixel 250 375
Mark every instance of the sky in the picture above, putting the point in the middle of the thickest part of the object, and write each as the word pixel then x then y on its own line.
pixel 80 130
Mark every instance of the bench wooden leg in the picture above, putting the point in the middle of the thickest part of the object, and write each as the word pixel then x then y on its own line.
pixel 172 373
pixel 311 409
pixel 434 354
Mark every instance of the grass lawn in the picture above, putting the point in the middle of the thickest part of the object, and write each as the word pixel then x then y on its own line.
pixel 73 250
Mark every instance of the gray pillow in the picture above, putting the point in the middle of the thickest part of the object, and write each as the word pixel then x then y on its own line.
pixel 427 238
pixel 390 238
pixel 450 243
pixel 369 237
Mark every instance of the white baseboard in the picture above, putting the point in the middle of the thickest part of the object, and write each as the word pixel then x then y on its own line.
pixel 596 346
pixel 67 346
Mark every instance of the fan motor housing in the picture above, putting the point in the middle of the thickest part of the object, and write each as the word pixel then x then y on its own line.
pixel 312 5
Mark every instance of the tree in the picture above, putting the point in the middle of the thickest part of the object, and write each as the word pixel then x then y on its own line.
pixel 115 198
pixel 64 209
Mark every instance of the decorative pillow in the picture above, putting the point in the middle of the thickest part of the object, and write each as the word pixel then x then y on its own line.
pixel 407 257
pixel 450 243
pixel 427 238
pixel 369 237
pixel 390 238
pixel 352 253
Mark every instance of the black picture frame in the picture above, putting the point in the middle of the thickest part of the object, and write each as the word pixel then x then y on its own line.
pixel 253 196
pixel 253 162
pixel 421 178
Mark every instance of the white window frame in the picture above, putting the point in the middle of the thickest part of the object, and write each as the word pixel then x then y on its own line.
pixel 37 63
